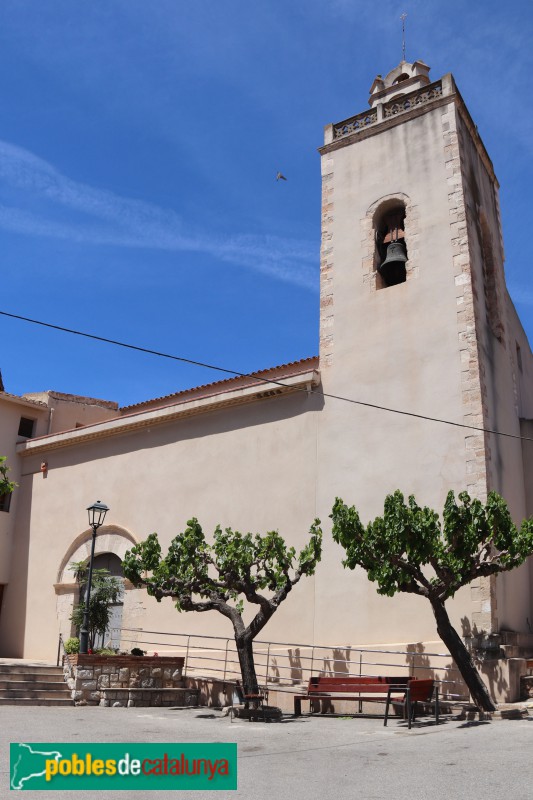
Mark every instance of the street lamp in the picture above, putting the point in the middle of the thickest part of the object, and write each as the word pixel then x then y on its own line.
pixel 97 514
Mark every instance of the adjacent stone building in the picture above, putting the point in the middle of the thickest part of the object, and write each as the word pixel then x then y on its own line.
pixel 431 331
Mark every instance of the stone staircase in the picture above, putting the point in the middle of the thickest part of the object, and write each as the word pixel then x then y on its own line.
pixel 33 685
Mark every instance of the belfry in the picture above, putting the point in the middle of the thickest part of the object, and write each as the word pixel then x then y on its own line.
pixel 415 315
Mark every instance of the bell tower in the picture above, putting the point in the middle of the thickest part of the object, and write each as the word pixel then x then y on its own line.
pixel 415 317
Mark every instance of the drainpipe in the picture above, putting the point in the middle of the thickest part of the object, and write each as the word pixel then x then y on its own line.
pixel 50 415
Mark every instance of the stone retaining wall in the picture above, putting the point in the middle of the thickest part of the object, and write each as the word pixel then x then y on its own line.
pixel 127 680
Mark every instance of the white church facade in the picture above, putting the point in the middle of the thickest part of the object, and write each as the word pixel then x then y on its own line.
pixel 431 331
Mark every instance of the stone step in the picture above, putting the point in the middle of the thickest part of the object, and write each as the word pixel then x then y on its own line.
pixel 55 677
pixel 35 701
pixel 14 683
pixel 30 669
pixel 33 684
pixel 34 691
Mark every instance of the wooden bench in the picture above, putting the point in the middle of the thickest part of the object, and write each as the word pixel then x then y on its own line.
pixel 422 691
pixel 390 689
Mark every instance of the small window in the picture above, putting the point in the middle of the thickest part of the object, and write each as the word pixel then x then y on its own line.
pixel 5 501
pixel 26 427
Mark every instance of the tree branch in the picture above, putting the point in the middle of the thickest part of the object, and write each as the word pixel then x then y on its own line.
pixel 419 582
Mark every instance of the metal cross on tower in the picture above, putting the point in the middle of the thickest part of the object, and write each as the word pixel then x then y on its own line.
pixel 403 18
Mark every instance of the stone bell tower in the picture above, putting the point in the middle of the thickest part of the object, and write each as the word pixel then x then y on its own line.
pixel 415 317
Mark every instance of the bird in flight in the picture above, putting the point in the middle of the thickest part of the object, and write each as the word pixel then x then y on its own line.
pixel 280 177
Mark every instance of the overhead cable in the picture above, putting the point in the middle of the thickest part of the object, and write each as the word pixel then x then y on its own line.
pixel 263 379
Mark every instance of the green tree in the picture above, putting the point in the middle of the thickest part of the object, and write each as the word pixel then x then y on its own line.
pixel 6 486
pixel 409 550
pixel 105 591
pixel 200 576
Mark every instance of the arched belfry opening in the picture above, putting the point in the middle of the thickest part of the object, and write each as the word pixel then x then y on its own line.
pixel 390 256
pixel 401 78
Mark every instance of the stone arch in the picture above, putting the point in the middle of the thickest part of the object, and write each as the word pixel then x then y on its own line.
pixel 392 77
pixel 386 201
pixel 371 277
pixel 110 539
pixel 401 78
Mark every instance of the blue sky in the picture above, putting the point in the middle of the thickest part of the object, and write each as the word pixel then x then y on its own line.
pixel 139 146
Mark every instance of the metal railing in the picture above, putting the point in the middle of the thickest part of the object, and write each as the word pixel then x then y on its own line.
pixel 62 658
pixel 60 649
pixel 284 665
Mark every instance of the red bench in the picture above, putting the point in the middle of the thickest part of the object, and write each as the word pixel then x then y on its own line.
pixel 391 690
pixel 422 691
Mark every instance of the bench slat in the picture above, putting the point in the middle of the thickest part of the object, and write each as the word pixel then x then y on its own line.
pixel 369 688
pixel 399 680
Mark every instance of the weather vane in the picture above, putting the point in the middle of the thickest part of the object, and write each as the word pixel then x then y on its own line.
pixel 403 18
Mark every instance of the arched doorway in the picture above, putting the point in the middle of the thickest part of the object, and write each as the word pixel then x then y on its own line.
pixel 112 543
pixel 113 565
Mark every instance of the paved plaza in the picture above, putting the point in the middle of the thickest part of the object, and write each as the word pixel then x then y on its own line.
pixel 309 758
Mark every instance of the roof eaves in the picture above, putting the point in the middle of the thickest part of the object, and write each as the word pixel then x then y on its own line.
pixel 163 414
pixel 211 388
pixel 23 401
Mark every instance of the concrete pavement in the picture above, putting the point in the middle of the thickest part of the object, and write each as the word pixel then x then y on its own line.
pixel 309 758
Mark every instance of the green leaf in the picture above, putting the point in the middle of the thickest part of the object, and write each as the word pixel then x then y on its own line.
pixel 403 549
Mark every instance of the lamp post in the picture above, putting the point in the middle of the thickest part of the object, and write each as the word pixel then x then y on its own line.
pixel 97 514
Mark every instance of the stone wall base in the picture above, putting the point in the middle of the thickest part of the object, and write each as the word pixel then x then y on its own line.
pixel 126 680
pixel 135 698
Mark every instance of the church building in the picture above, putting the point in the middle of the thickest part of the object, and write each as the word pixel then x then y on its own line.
pixel 414 317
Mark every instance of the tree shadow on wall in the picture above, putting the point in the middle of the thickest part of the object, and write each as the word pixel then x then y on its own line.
pixel 274 675
pixel 211 693
pixel 448 676
pixel 418 662
pixel 339 663
pixel 295 665
pixel 467 629
pixel 490 663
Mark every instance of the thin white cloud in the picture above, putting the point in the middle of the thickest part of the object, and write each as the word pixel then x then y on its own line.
pixel 125 222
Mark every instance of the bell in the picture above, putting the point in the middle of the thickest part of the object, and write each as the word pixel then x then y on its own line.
pixel 393 268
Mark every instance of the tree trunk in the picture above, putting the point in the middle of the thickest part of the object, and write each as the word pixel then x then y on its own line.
pixel 462 657
pixel 245 651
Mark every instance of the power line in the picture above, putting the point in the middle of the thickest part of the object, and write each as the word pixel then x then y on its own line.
pixel 227 371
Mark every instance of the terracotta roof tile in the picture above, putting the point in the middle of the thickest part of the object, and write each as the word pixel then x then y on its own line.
pixel 278 372
pixel 25 400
